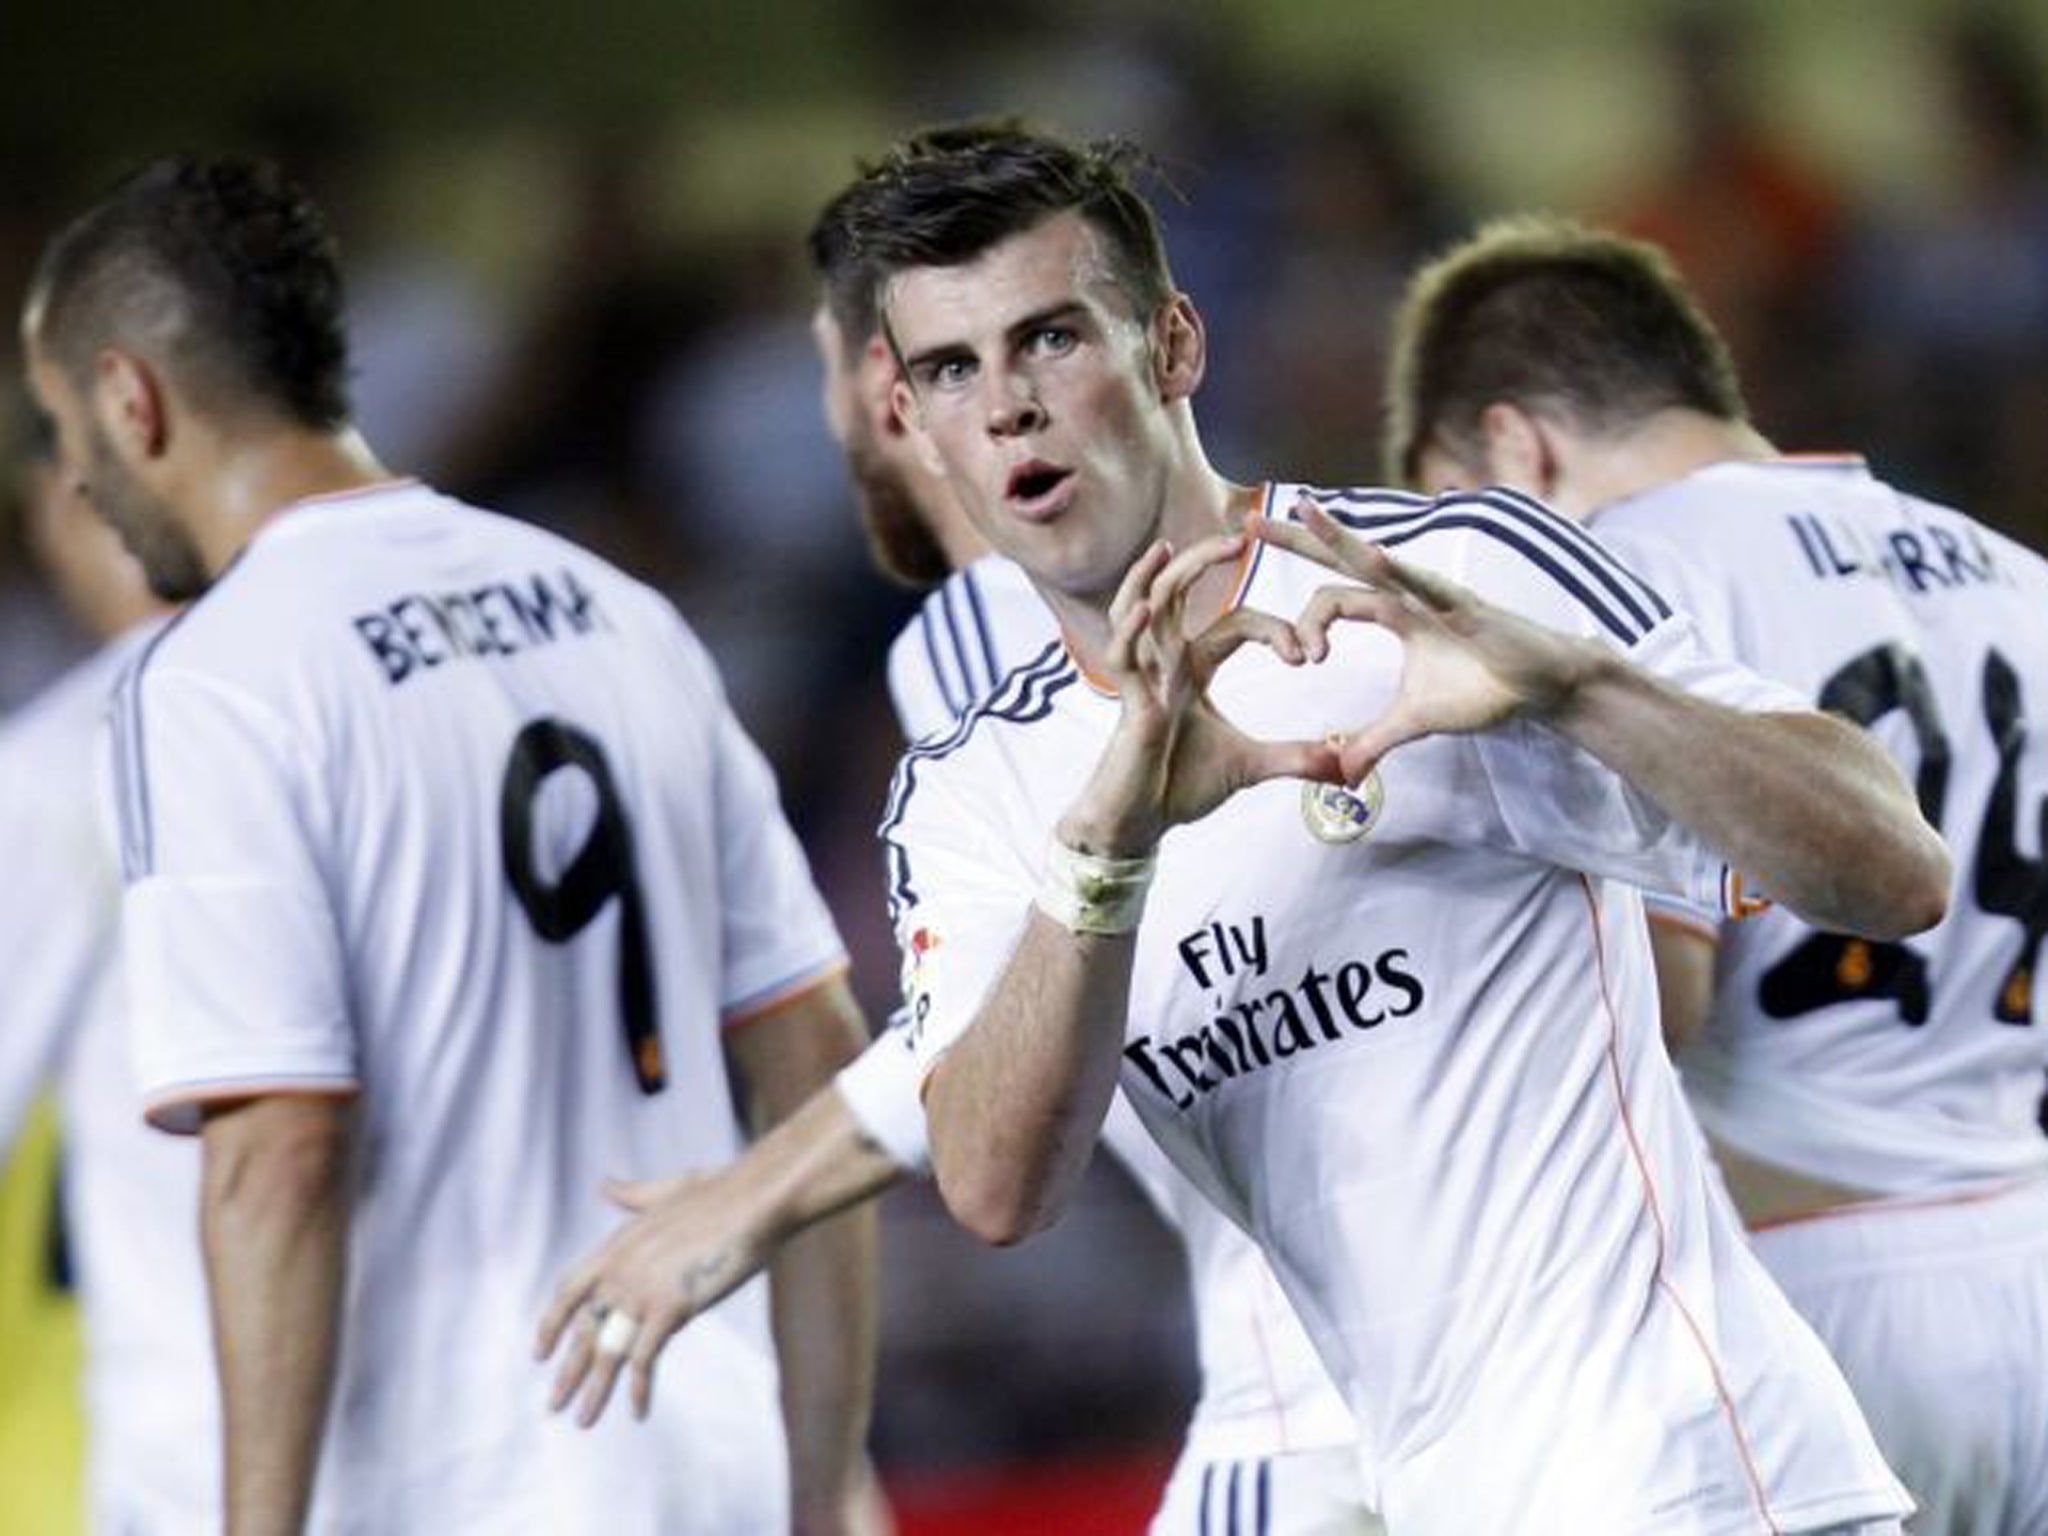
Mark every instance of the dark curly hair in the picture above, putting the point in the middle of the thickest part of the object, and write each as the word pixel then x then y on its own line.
pixel 944 195
pixel 225 265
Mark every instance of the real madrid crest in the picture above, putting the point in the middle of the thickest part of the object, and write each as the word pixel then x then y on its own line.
pixel 1334 814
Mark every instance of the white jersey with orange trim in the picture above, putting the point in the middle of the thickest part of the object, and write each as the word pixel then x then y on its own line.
pixel 1902 1068
pixel 128 1194
pixel 1407 1037
pixel 1263 1394
pixel 430 807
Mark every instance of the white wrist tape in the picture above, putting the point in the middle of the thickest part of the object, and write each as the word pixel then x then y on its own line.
pixel 880 1089
pixel 1086 894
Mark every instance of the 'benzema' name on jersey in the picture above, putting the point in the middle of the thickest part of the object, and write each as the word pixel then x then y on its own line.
pixel 1257 1022
pixel 499 618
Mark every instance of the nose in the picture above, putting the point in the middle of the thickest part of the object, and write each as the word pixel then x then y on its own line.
pixel 1013 405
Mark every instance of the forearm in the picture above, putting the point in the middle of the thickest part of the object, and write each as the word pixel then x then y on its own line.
pixel 1015 1106
pixel 815 1164
pixel 1807 807
pixel 274 1223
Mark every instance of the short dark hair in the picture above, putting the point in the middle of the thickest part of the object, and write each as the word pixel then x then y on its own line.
pixel 1538 311
pixel 943 196
pixel 225 260
pixel 850 290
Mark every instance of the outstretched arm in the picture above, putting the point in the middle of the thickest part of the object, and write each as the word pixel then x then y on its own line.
pixel 1806 806
pixel 274 1223
pixel 698 1238
pixel 695 1239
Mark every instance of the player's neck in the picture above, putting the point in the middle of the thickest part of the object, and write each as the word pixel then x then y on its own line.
pixel 255 478
pixel 1665 447
pixel 1207 505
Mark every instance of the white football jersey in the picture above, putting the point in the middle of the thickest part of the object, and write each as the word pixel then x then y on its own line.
pixel 1896 1068
pixel 972 630
pixel 1407 1036
pixel 429 806
pixel 129 1195
pixel 1263 1393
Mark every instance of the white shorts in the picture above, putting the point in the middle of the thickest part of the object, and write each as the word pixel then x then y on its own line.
pixel 1302 1493
pixel 1938 1314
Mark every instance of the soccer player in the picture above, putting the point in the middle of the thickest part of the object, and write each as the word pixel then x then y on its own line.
pixel 1872 1104
pixel 1388 999
pixel 127 1193
pixel 1270 1444
pixel 452 885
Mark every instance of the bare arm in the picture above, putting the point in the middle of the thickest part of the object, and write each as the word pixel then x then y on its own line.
pixel 1805 804
pixel 696 1238
pixel 274 1219
pixel 1015 1106
pixel 823 1281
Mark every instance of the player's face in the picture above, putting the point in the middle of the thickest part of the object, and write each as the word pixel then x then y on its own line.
pixel 92 467
pixel 1031 389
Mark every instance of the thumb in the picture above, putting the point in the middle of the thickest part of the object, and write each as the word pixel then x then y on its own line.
pixel 635 1194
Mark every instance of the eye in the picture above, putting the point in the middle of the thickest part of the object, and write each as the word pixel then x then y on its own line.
pixel 1051 340
pixel 946 372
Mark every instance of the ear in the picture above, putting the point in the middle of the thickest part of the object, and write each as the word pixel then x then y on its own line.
pixel 908 414
pixel 1521 450
pixel 875 380
pixel 1180 348
pixel 130 404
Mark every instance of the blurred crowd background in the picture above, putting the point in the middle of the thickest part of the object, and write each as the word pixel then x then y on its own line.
pixel 573 237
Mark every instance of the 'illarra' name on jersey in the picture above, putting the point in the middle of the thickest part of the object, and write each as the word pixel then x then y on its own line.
pixel 1933 559
pixel 1269 1020
pixel 420 631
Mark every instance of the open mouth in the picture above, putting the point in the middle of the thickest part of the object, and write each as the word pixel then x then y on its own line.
pixel 1030 484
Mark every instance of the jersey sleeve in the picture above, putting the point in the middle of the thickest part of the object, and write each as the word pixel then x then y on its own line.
pixel 958 899
pixel 880 1089
pixel 235 969
pixel 1558 802
pixel 1686 583
pixel 921 706
pixel 778 938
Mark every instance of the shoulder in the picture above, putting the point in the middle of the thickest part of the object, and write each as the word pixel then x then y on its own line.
pixel 994 730
pixel 57 724
pixel 1510 548
pixel 970 632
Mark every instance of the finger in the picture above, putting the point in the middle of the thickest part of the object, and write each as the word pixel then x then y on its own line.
pixel 1383 570
pixel 1297 540
pixel 606 1363
pixel 1121 658
pixel 1210 649
pixel 568 1301
pixel 1329 605
pixel 654 1336
pixel 1138 579
pixel 1317 761
pixel 637 1195
pixel 1180 573
pixel 575 1367
pixel 1361 751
